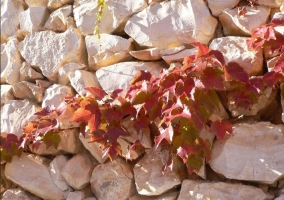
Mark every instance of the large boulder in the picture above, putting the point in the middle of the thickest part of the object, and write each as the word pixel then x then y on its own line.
pixel 15 114
pixel 247 154
pixel 10 11
pixel 33 19
pixel 113 180
pixel 217 6
pixel 27 73
pixel 32 173
pixel 192 190
pixel 64 71
pixel 107 50
pixel 233 24
pixel 54 4
pixel 171 195
pixel 57 20
pixel 11 62
pixel 149 179
pixel 124 72
pixel 114 15
pixel 172 23
pixel 77 171
pixel 178 57
pixel 66 47
pixel 36 3
pixel 235 49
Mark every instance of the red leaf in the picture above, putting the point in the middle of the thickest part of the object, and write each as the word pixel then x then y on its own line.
pixel 97 92
pixel 220 128
pixel 166 134
pixel 113 151
pixel 94 121
pixel 218 55
pixel 271 78
pixel 46 125
pixel 202 48
pixel 242 11
pixel 212 78
pixel 141 76
pixel 234 71
pixel 114 133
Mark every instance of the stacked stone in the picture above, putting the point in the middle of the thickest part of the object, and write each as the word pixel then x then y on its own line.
pixel 49 51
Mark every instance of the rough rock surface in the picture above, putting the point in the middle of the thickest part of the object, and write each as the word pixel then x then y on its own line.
pixel 235 49
pixel 76 195
pixel 27 73
pixel 93 148
pixel 66 47
pixel 33 19
pixel 115 14
pixel 269 3
pixel 247 154
pixel 77 171
pixel 171 24
pixel 166 196
pixel 155 53
pixel 11 62
pixel 55 94
pixel 18 194
pixel 6 94
pixel 27 90
pixel 15 114
pixel 192 190
pixel 217 6
pixel 113 180
pixel 124 72
pixel 10 10
pixel 149 179
pixel 36 3
pixel 114 49
pixel 57 20
pixel 69 143
pixel 246 24
pixel 81 79
pixel 54 4
pixel 55 169
pixel 64 71
pixel 30 172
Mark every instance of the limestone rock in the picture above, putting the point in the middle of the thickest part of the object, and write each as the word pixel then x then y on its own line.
pixel 114 15
pixel 80 79
pixel 43 83
pixel 128 153
pixel 155 53
pixel 10 10
pixel 6 94
pixel 27 90
pixel 66 47
pixel 172 23
pixel 55 169
pixel 55 94
pixel 280 198
pixel 235 49
pixel 167 196
pixel 27 73
pixel 123 73
pixel 18 194
pixel 30 172
pixel 69 143
pixel 93 148
pixel 77 171
pixel 54 4
pixel 178 57
pixel 269 3
pixel 11 62
pixel 36 3
pixel 247 154
pixel 113 180
pixel 267 95
pixel 192 190
pixel 76 195
pixel 15 114
pixel 107 50
pixel 149 179
pixel 57 20
pixel 64 71
pixel 243 25
pixel 90 198
pixel 217 6
pixel 33 19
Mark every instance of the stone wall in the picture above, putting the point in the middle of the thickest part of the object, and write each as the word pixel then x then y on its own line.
pixel 48 51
